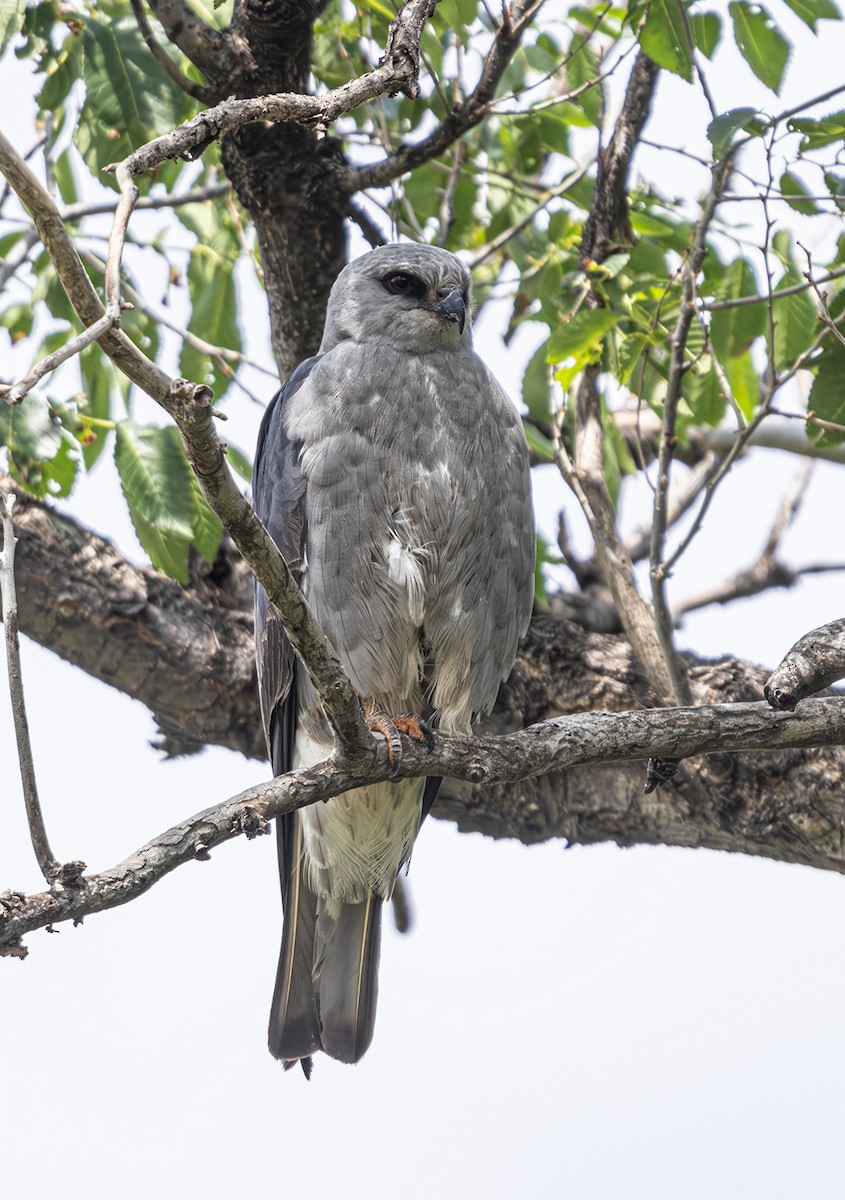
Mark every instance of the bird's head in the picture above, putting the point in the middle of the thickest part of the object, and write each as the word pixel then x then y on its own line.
pixel 415 297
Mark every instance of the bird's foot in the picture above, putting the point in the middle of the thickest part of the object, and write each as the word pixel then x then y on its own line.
pixel 390 728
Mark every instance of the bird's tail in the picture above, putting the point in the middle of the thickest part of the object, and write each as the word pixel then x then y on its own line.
pixel 346 953
pixel 327 980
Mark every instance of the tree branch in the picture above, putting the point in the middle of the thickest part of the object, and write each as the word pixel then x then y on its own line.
pixel 814 662
pixel 564 742
pixel 163 58
pixel 459 121
pixel 666 452
pixel 47 861
pixel 189 406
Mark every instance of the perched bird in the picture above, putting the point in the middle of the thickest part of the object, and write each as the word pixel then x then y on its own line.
pixel 392 472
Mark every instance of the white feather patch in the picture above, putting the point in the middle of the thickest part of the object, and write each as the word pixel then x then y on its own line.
pixel 403 567
pixel 355 844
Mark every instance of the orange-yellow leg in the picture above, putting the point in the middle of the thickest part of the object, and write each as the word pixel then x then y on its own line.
pixel 390 728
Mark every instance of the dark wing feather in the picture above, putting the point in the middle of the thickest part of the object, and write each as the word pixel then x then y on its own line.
pixel 278 489
pixel 278 496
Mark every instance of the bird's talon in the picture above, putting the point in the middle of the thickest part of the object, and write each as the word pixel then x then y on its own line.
pixel 415 727
pixel 388 730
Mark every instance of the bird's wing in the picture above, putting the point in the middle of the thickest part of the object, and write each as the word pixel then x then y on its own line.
pixel 278 490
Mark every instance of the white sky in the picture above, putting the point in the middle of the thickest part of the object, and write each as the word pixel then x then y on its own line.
pixel 599 1023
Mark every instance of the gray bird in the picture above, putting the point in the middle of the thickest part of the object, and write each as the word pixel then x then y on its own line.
pixel 392 472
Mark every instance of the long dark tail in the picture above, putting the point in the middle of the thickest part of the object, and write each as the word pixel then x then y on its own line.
pixel 327 980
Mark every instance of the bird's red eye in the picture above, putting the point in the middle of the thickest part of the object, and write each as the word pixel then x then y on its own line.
pixel 400 283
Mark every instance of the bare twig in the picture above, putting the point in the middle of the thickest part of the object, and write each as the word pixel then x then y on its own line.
pixel 460 120
pixel 163 58
pixel 495 244
pixel 15 393
pixel 585 477
pixel 47 861
pixel 677 370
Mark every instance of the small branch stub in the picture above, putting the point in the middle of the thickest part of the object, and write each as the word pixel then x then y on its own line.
pixel 815 662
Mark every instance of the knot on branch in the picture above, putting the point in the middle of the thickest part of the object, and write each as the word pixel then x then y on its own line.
pixel 250 822
pixel 70 875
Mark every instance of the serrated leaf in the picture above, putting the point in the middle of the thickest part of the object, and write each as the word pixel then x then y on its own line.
pixel 703 393
pixel 760 42
pixel 811 11
pixel 835 184
pixel 706 29
pixel 721 130
pixel 213 318
pixel 664 39
pixel 796 323
pixel 817 133
pixel 582 334
pixel 827 396
pixel 128 97
pixel 158 486
pixel 733 330
pixel 793 192
pixel 206 527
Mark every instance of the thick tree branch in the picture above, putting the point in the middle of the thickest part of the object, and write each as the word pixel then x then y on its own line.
pixel 207 48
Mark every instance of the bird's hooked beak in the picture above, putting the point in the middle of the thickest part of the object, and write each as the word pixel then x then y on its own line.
pixel 451 307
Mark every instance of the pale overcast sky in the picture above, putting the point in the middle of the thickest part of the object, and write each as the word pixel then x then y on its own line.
pixel 598 1024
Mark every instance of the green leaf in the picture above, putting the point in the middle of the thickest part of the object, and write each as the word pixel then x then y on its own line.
pixel 213 318
pixel 128 97
pixel 706 29
pixel 703 393
pixel 827 396
pixel 835 184
pixel 11 20
pixel 760 42
pixel 158 486
pixel 239 462
pixel 542 446
pixel 733 330
pixel 28 430
pixel 721 129
pixel 811 11
pixel 796 318
pixel 664 38
pixel 745 383
pixel 541 557
pixel 582 66
pixel 206 528
pixel 793 191
pixel 536 394
pixel 817 133
pixel 97 384
pixel 581 335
